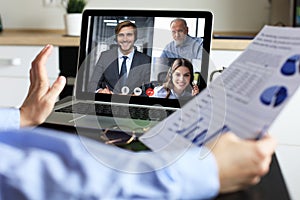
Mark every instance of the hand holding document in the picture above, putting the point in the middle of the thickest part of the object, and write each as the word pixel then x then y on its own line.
pixel 245 99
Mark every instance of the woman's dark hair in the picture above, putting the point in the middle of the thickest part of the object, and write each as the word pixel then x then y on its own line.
pixel 179 62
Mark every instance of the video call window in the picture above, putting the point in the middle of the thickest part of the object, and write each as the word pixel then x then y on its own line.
pixel 154 34
pixel 102 36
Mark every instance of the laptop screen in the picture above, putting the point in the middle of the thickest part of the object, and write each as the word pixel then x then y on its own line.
pixel 143 56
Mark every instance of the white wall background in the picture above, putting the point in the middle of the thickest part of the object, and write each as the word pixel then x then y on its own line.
pixel 230 15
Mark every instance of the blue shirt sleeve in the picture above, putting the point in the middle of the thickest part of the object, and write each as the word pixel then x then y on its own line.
pixel 43 164
pixel 9 118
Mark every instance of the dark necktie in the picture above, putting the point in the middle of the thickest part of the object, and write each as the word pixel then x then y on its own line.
pixel 123 73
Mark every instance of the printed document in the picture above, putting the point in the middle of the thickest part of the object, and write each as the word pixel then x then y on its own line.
pixel 244 99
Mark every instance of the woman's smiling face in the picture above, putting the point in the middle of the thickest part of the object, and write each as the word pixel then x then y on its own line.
pixel 181 79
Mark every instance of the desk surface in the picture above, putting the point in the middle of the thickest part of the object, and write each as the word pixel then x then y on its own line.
pixel 37 37
pixel 272 186
pixel 58 38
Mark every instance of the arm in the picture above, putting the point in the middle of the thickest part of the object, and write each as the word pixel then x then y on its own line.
pixel 196 47
pixel 88 168
pixel 9 118
pixel 166 51
pixel 106 64
pixel 95 170
pixel 97 75
pixel 164 54
pixel 41 97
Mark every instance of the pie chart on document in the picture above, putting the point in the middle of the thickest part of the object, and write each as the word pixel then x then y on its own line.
pixel 291 66
pixel 274 96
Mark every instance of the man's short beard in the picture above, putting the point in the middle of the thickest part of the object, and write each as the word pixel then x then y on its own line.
pixel 180 42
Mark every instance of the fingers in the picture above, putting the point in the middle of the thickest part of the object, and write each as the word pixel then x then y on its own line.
pixel 105 91
pixel 40 98
pixel 267 144
pixel 45 51
pixel 242 162
pixel 38 74
pixel 195 90
pixel 38 69
pixel 255 180
pixel 56 88
pixel 252 180
pixel 264 151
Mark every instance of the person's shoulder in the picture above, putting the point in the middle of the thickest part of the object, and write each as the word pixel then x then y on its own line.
pixel 108 55
pixel 142 55
pixel 110 51
pixel 159 89
pixel 198 40
pixel 170 45
pixel 160 92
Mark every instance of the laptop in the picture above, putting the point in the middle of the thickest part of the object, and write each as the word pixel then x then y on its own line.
pixel 130 108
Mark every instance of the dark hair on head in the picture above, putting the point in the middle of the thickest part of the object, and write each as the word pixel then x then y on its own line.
pixel 179 62
pixel 126 24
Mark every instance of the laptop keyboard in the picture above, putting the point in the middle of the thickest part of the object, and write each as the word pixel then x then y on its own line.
pixel 120 111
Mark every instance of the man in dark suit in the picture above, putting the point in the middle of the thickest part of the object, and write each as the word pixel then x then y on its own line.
pixel 121 69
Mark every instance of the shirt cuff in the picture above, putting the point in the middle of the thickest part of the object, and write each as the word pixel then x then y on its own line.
pixel 9 118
